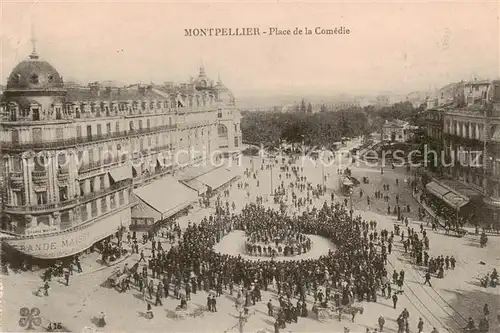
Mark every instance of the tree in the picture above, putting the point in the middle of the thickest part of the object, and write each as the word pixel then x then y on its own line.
pixel 303 106
pixel 323 108
pixel 309 108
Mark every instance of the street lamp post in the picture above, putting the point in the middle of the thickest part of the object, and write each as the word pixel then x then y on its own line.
pixel 271 169
pixel 323 172
pixel 350 203
pixel 241 321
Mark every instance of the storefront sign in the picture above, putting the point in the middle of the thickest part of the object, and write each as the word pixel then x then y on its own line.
pixel 37 231
pixel 67 243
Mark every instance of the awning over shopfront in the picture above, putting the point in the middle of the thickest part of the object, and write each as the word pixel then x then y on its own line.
pixel 121 173
pixel 166 196
pixel 448 195
pixel 196 185
pixel 143 210
pixel 70 241
pixel 196 171
pixel 217 178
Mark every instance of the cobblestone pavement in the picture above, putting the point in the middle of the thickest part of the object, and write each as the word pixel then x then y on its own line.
pixel 446 305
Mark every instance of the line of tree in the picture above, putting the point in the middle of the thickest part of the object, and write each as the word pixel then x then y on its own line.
pixel 320 129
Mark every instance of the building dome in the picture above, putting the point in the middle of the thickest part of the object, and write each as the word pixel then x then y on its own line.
pixel 34 74
pixel 223 93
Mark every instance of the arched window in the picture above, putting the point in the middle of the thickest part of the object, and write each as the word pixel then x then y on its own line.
pixel 222 131
pixel 34 78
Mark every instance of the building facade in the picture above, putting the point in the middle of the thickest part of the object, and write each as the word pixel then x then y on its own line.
pixel 396 131
pixel 73 156
pixel 471 140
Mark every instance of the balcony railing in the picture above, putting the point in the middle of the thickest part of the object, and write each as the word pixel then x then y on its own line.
pixel 157 173
pixel 39 174
pixel 116 186
pixel 100 163
pixel 64 143
pixel 68 203
pixel 122 158
pixel 16 175
pixel 43 207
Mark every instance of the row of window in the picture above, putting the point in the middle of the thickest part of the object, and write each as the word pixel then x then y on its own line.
pixel 464 129
pixel 102 203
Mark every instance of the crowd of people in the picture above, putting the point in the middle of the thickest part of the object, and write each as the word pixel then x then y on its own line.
pixel 276 242
pixel 355 271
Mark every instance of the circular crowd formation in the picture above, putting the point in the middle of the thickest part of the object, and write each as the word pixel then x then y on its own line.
pixel 277 242
pixel 195 255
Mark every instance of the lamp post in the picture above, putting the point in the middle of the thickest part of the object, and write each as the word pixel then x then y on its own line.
pixel 350 201
pixel 271 170
pixel 242 319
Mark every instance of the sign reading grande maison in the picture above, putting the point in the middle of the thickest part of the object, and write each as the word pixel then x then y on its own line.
pixel 221 32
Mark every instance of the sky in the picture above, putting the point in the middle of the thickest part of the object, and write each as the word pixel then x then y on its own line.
pixel 393 47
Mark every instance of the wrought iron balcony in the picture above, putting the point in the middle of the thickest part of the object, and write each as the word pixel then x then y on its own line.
pixel 15 175
pixel 65 143
pixel 39 175
pixel 68 203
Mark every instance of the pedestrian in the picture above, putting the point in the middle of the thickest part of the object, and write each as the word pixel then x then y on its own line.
pixel 46 288
pixel 66 276
pixel 381 323
pixel 101 322
pixel 149 311
pixel 214 304
pixel 394 300
pixel 78 265
pixel 420 325
pixel 209 303
pixel 486 310
pixel 270 311
pixel 428 278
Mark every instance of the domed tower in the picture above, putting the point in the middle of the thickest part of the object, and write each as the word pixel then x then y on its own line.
pixel 33 88
pixel 229 117
pixel 31 124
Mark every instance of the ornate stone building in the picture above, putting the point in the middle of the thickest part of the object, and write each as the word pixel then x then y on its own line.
pixel 471 141
pixel 78 161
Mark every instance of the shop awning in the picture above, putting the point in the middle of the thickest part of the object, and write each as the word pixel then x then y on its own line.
pixel 455 200
pixel 437 189
pixel 217 178
pixel 196 171
pixel 143 210
pixel 121 173
pixel 448 195
pixel 196 185
pixel 167 196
